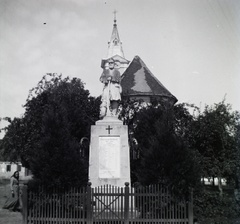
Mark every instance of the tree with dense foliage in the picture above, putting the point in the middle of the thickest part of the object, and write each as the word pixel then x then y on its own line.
pixel 214 137
pixel 59 112
pixel 237 177
pixel 157 134
pixel 12 142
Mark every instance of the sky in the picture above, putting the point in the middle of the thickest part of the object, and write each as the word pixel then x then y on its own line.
pixel 191 46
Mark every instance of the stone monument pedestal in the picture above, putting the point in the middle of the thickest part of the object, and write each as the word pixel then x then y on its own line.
pixel 109 162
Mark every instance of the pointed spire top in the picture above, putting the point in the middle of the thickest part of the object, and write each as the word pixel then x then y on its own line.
pixel 115 45
pixel 115 18
pixel 115 49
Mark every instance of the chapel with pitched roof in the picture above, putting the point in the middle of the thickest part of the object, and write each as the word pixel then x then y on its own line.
pixel 137 81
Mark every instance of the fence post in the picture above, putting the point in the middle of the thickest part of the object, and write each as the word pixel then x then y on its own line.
pixel 24 198
pixel 89 203
pixel 126 203
pixel 190 208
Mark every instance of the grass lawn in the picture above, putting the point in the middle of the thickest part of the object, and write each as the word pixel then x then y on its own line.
pixel 7 217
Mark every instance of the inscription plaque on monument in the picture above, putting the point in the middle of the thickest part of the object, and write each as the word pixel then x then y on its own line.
pixel 109 157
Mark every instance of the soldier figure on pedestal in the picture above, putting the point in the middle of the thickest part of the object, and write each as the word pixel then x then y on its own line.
pixel 112 89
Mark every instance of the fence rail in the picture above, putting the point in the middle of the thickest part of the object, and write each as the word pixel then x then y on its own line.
pixel 105 205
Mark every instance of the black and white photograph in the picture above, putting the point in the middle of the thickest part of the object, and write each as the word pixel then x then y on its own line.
pixel 119 111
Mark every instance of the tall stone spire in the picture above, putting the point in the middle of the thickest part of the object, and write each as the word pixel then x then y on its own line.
pixel 115 45
pixel 115 50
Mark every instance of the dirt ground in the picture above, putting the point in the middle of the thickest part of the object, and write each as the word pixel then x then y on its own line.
pixel 7 217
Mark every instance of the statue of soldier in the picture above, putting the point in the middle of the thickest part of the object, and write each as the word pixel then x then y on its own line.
pixel 111 94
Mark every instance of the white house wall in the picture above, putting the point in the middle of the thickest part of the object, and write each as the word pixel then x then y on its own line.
pixel 7 169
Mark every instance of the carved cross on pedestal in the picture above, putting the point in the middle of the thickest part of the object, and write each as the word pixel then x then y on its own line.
pixel 109 129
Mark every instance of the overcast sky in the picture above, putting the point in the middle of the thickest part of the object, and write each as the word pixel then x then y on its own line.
pixel 191 46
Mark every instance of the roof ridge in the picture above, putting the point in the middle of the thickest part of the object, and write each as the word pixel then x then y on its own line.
pixel 152 73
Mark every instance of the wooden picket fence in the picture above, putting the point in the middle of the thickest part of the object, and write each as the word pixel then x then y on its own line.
pixel 106 205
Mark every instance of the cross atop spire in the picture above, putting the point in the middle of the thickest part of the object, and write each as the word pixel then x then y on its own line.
pixel 115 45
pixel 115 18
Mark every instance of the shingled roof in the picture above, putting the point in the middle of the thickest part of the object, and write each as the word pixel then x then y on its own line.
pixel 138 81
